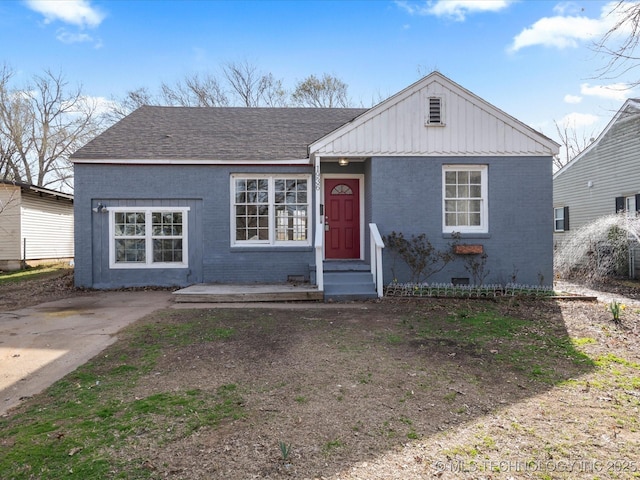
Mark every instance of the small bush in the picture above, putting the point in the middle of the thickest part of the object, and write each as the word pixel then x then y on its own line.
pixel 422 258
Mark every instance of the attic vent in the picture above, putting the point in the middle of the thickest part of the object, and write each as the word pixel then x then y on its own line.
pixel 435 111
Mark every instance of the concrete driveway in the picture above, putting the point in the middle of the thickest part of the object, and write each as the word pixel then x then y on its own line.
pixel 41 344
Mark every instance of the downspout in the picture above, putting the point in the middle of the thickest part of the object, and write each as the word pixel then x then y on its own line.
pixel 319 230
pixel 318 191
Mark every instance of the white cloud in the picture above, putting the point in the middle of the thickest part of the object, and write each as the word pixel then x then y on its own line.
pixel 579 120
pixel 68 37
pixel 572 99
pixel 76 12
pixel 410 8
pixel 559 32
pixel 456 9
pixel 563 8
pixel 616 91
pixel 567 30
pixel 101 104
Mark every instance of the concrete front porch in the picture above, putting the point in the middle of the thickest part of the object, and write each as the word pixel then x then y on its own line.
pixel 219 293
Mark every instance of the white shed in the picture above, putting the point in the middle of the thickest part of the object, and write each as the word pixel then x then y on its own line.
pixel 36 225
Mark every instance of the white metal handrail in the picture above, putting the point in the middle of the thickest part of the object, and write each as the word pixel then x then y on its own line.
pixel 319 248
pixel 376 258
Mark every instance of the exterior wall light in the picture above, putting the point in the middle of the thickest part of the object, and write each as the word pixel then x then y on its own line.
pixel 343 162
pixel 100 208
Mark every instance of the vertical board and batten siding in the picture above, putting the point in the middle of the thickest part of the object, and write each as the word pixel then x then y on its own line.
pixel 47 227
pixel 9 223
pixel 613 167
pixel 397 127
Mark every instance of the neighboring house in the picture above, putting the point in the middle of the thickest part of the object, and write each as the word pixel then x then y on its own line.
pixel 177 196
pixel 602 180
pixel 36 225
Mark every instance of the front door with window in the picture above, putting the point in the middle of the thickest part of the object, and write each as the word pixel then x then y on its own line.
pixel 342 218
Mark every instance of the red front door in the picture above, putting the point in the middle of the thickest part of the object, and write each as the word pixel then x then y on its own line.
pixel 342 215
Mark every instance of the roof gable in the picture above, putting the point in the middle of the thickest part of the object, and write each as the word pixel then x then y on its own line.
pixel 400 126
pixel 224 134
pixel 629 110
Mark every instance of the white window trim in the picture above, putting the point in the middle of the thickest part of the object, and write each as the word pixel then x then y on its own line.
pixel 556 218
pixel 484 208
pixel 148 238
pixel 630 206
pixel 272 242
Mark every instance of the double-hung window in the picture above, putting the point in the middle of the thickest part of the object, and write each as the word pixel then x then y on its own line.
pixel 630 206
pixel 148 237
pixel 270 209
pixel 465 201
pixel 561 219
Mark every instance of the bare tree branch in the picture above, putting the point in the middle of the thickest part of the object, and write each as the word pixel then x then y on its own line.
pixel 327 91
pixel 619 43
pixel 246 85
pixel 8 197
pixel 572 144
pixel 251 87
pixel 195 91
pixel 41 124
pixel 133 100
pixel 274 94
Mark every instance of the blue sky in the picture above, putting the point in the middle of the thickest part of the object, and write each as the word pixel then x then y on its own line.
pixel 533 59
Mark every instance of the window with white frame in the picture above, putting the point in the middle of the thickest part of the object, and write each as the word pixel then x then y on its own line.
pixel 465 198
pixel 148 237
pixel 270 209
pixel 561 219
pixel 630 206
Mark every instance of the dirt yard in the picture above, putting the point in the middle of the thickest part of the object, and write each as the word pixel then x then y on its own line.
pixel 398 389
pixel 49 287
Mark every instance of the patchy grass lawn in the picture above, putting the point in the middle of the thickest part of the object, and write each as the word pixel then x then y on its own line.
pixel 43 271
pixel 27 287
pixel 393 390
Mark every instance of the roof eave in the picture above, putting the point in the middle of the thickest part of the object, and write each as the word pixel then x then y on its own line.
pixel 184 161
pixel 592 145
pixel 39 190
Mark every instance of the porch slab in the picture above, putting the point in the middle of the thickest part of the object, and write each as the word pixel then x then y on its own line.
pixel 218 293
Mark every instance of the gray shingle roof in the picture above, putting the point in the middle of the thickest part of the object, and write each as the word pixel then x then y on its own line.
pixel 215 133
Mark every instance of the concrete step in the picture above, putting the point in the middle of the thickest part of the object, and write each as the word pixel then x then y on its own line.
pixel 348 297
pixel 345 266
pixel 347 278
pixel 215 293
pixel 346 285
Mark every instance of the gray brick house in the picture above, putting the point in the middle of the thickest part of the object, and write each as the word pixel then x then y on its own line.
pixel 180 196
